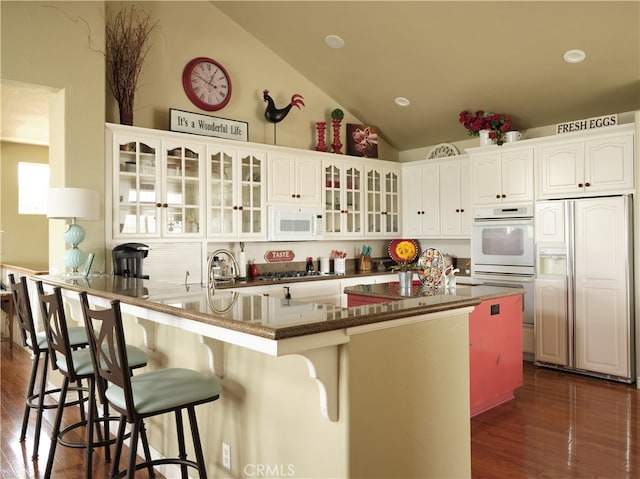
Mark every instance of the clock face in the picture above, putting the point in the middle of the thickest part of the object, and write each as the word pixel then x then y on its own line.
pixel 206 83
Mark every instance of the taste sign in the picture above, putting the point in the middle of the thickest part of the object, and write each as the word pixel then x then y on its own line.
pixel 279 256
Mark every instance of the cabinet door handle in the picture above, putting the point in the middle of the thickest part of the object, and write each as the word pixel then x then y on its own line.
pixel 587 184
pixel 457 210
pixel 293 196
pixel 498 196
pixel 165 205
pixel 580 185
pixel 462 210
pixel 240 207
pixel 235 207
pixel 159 205
pixel 504 196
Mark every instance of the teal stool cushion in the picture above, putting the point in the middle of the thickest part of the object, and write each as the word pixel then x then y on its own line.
pixel 165 389
pixel 77 337
pixel 83 365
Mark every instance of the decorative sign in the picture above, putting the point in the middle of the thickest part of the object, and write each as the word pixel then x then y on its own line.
pixel 279 256
pixel 197 124
pixel 588 124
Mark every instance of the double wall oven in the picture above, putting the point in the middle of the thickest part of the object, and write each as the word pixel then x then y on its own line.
pixel 503 250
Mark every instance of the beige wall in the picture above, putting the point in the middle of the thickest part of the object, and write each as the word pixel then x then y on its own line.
pixel 60 45
pixel 193 29
pixel 26 236
pixel 57 45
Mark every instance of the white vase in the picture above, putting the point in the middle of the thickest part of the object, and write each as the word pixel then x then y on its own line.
pixel 485 139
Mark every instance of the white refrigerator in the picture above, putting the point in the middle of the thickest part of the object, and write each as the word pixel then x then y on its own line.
pixel 584 314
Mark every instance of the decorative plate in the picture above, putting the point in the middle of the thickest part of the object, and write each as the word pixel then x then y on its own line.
pixel 403 250
pixel 442 151
pixel 431 266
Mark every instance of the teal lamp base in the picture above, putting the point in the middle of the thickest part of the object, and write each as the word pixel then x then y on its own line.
pixel 73 257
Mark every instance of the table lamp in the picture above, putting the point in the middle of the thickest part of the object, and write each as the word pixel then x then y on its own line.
pixel 73 203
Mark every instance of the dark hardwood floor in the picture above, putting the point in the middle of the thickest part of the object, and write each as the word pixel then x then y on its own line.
pixel 15 456
pixel 559 426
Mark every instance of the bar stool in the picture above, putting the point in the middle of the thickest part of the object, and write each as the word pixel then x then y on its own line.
pixel 147 394
pixel 37 343
pixel 77 366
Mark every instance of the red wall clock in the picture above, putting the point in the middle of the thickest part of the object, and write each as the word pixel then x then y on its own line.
pixel 207 84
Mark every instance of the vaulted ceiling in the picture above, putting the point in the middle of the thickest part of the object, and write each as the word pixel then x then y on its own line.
pixel 444 56
pixel 448 56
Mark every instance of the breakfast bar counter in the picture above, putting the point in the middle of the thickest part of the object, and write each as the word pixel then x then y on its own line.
pixel 393 378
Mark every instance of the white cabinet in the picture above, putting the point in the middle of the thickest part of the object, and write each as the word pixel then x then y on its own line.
pixel 156 186
pixel 343 198
pixel 294 179
pixel 551 321
pixel 455 198
pixel 502 176
pixel 421 201
pixel 603 329
pixel 436 199
pixel 550 222
pixel 382 205
pixel 235 193
pixel 593 165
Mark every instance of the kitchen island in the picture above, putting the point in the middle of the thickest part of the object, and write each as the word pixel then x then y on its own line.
pixel 393 378
pixel 495 340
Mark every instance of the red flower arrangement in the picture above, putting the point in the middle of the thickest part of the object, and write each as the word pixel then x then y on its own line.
pixel 497 124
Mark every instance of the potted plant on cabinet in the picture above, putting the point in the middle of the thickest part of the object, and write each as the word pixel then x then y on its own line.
pixel 496 125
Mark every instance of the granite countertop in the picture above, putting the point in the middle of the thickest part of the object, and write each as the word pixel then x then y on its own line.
pixel 265 316
pixel 392 291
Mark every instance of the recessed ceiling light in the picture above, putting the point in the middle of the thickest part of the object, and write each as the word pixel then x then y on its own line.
pixel 574 56
pixel 334 41
pixel 402 101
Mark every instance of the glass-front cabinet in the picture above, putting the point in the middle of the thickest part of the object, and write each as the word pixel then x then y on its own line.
pixel 382 201
pixel 343 198
pixel 236 193
pixel 156 188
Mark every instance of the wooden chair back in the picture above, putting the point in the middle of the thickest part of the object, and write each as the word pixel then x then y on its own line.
pixel 20 293
pixel 108 349
pixel 55 325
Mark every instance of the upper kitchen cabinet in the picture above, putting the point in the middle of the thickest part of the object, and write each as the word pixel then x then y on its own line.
pixel 382 193
pixel 436 200
pixel 593 164
pixel 156 186
pixel 236 193
pixel 343 197
pixel 502 176
pixel 294 179
pixel 455 198
pixel 421 200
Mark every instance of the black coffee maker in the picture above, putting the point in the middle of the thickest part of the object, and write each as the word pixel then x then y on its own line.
pixel 128 258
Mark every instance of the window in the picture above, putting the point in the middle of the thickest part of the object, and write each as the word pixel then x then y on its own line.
pixel 33 186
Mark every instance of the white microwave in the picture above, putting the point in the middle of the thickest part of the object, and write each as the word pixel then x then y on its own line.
pixel 293 223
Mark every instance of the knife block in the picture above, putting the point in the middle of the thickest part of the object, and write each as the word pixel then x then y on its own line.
pixel 364 264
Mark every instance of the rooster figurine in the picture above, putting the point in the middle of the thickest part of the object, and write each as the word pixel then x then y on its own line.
pixel 276 115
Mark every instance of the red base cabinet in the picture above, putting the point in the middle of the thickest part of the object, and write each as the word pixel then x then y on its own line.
pixel 495 352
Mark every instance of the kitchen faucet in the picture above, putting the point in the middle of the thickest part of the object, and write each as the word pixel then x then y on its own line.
pixel 211 283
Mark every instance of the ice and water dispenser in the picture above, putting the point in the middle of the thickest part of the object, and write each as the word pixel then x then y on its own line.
pixel 128 259
pixel 552 261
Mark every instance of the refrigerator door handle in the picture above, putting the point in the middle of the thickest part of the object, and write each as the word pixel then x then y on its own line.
pixel 570 238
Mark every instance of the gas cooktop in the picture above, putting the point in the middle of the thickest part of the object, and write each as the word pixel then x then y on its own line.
pixel 292 275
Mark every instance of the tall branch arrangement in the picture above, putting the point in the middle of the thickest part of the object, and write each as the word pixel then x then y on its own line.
pixel 126 42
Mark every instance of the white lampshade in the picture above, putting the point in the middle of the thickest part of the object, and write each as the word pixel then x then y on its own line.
pixel 73 203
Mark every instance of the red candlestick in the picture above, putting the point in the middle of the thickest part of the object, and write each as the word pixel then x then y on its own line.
pixel 337 145
pixel 321 127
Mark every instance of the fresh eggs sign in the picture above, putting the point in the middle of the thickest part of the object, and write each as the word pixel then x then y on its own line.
pixel 588 124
